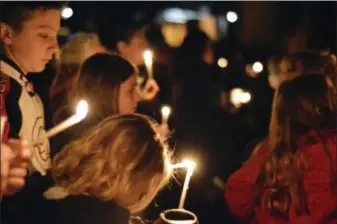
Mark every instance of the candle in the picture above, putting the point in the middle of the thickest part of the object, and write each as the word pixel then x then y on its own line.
pixel 148 60
pixel 3 123
pixel 81 113
pixel 190 165
pixel 165 113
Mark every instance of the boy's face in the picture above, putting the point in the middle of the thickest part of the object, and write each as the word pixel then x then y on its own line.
pixel 134 49
pixel 33 46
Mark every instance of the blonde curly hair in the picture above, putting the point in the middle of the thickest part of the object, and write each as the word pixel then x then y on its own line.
pixel 123 159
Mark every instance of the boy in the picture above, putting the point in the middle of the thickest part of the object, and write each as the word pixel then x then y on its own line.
pixel 28 34
pixel 124 38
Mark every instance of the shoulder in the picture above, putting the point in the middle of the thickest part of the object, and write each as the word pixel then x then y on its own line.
pixel 8 85
pixel 89 210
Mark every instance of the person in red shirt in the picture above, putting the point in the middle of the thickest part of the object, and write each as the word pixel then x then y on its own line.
pixel 291 176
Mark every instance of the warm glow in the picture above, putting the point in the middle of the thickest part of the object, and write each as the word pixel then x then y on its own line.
pixel 245 97
pixel 174 34
pixel 232 17
pixel 238 97
pixel 187 163
pixel 208 24
pixel 67 13
pixel 81 110
pixel 222 62
pixel 190 164
pixel 81 113
pixel 166 111
pixel 148 57
pixel 257 67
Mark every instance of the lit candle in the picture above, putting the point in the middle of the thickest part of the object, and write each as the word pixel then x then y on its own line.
pixel 165 113
pixel 81 113
pixel 190 165
pixel 148 60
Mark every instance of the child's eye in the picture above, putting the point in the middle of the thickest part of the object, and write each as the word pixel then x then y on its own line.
pixel 44 36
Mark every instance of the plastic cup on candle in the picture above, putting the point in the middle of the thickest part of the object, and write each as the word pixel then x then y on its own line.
pixel 177 216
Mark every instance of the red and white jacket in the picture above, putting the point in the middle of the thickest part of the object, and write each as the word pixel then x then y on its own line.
pixel 24 111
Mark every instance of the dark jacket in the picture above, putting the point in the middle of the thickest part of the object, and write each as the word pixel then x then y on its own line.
pixel 84 210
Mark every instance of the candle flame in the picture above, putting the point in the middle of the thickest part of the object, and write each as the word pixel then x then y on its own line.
pixel 189 164
pixel 166 111
pixel 148 57
pixel 81 110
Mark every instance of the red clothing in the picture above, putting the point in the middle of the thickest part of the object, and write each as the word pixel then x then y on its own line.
pixel 4 90
pixel 240 192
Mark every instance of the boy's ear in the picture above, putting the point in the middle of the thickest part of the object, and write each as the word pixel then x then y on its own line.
pixel 5 33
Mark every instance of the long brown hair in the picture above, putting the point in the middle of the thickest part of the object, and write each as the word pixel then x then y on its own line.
pixel 123 159
pixel 98 82
pixel 301 104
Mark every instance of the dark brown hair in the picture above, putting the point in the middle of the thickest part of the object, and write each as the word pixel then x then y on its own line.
pixel 308 62
pixel 304 103
pixel 98 82
pixel 15 13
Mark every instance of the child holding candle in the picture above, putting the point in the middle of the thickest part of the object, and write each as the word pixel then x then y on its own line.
pixel 28 34
pixel 108 83
pixel 110 172
pixel 128 39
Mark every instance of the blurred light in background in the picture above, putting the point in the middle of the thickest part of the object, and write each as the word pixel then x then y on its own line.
pixel 232 17
pixel 64 31
pixel 222 26
pixel 222 62
pixel 257 67
pixel 174 33
pixel 208 24
pixel 175 15
pixel 239 96
pixel 174 23
pixel 253 70
pixel 67 12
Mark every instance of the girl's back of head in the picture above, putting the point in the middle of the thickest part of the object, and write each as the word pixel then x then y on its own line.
pixel 99 82
pixel 122 159
pixel 305 103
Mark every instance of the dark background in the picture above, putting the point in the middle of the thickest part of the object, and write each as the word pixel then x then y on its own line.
pixel 263 30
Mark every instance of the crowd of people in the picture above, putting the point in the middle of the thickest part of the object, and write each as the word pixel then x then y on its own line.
pixel 111 165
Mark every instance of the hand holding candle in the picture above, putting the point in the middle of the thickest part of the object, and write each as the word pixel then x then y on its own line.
pixel 81 113
pixel 151 88
pixel 148 60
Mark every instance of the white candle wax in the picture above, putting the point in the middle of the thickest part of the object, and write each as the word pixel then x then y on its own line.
pixel 190 168
pixel 3 123
pixel 81 113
